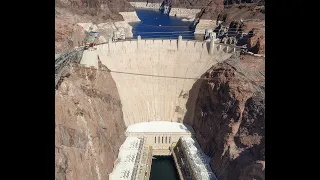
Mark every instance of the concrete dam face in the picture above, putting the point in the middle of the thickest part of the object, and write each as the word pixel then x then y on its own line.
pixel 154 77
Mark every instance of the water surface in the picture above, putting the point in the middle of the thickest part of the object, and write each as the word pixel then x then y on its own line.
pixel 163 168
pixel 170 27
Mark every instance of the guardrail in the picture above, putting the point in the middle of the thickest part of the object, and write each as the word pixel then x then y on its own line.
pixel 137 161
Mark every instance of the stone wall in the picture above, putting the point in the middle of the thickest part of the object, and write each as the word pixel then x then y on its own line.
pixel 89 126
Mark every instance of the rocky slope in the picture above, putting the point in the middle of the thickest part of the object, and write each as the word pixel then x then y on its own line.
pixel 89 126
pixel 68 33
pixel 229 119
pixel 190 4
pixel 104 10
pixel 216 11
pixel 232 12
pixel 256 41
pixel 212 8
pixel 248 33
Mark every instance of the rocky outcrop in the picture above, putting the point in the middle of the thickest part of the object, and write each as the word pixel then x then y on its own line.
pixel 256 41
pixel 204 24
pixel 145 5
pixel 191 4
pixel 106 30
pixel 105 10
pixel 67 35
pixel 145 1
pixel 229 119
pixel 130 16
pixel 178 12
pixel 211 9
pixel 71 12
pixel 249 34
pixel 243 12
pixel 183 12
pixel 89 126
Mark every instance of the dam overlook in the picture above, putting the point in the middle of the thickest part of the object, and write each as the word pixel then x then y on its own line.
pixel 156 93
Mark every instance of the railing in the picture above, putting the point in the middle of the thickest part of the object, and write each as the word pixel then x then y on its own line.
pixel 179 165
pixel 195 157
pixel 137 162
pixel 237 48
pixel 149 163
pixel 182 162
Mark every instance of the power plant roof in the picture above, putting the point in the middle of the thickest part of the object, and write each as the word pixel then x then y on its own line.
pixel 160 126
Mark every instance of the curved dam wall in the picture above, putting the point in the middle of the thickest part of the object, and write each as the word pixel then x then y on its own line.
pixel 154 77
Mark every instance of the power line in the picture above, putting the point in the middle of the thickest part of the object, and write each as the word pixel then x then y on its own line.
pixel 237 64
pixel 161 76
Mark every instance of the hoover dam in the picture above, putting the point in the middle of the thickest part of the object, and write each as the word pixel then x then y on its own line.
pixel 155 79
pixel 158 94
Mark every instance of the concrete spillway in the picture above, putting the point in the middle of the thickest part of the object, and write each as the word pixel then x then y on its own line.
pixel 154 77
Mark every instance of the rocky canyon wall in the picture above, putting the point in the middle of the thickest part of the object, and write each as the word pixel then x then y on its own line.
pixel 229 120
pixel 145 5
pixel 68 13
pixel 177 9
pixel 89 126
pixel 107 9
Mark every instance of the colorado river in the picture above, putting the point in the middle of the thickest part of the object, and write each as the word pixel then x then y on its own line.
pixel 157 25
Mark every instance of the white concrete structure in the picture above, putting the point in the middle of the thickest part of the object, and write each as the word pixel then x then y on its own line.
pixel 205 24
pixel 130 16
pixel 127 160
pixel 197 159
pixel 154 77
pixel 146 5
pixel 89 59
pixel 57 56
pixel 179 12
pixel 184 12
pixel 160 135
pixel 106 30
pixel 159 127
pixel 187 19
pixel 87 26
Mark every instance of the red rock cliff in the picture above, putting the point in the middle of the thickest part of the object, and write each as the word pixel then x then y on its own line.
pixel 70 12
pixel 229 120
pixel 89 126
